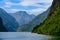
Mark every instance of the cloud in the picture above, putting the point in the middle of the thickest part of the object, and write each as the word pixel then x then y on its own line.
pixel 37 11
pixel 26 3
pixel 15 10
pixel 1 7
pixel 8 4
pixel 30 3
pixel 33 2
pixel 41 5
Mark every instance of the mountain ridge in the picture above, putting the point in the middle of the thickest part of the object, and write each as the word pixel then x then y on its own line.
pixel 22 17
pixel 36 21
pixel 8 21
pixel 51 26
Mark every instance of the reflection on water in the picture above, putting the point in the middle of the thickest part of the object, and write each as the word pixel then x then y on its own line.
pixel 23 36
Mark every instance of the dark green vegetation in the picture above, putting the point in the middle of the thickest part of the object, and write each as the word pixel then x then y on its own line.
pixel 2 28
pixel 51 25
pixel 57 38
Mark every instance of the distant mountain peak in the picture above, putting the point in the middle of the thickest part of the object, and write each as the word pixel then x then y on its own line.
pixel 22 13
pixel 2 10
pixel 33 15
pixel 22 17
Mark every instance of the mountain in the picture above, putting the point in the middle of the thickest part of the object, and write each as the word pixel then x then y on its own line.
pixel 22 17
pixel 8 21
pixel 51 25
pixel 2 28
pixel 39 19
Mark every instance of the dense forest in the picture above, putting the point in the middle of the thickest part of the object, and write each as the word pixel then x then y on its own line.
pixel 51 26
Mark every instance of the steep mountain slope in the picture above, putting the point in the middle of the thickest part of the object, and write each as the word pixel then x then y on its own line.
pixel 39 19
pixel 51 25
pixel 2 28
pixel 22 17
pixel 8 21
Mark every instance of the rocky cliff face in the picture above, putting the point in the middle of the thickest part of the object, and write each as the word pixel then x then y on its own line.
pixel 51 25
pixel 55 6
pixel 9 22
pixel 2 28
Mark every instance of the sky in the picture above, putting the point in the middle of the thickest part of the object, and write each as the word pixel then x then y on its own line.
pixel 30 6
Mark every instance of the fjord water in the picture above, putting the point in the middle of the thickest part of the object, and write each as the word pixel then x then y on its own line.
pixel 23 36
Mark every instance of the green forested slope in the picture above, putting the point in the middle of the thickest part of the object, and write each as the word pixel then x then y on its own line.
pixel 51 25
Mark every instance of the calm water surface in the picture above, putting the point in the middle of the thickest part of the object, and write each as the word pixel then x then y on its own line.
pixel 23 36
